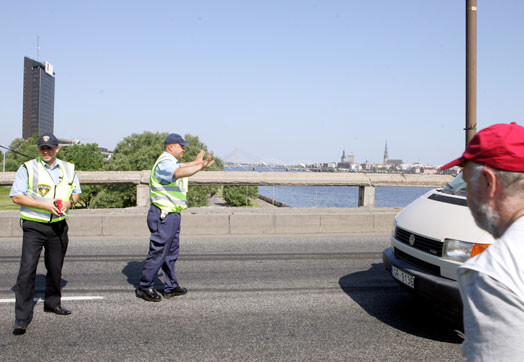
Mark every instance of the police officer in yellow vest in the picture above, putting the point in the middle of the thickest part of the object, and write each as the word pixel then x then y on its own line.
pixel 168 188
pixel 45 188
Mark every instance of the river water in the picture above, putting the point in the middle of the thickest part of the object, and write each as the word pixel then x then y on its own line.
pixel 335 196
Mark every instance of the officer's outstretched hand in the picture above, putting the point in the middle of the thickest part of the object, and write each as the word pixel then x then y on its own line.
pixel 200 156
pixel 208 161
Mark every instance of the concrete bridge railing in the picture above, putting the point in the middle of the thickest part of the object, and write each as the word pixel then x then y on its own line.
pixel 236 220
pixel 366 182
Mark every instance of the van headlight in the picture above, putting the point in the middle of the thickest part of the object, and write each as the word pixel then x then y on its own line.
pixel 394 227
pixel 393 230
pixel 461 250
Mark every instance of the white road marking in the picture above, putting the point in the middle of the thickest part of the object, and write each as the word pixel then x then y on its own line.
pixel 87 297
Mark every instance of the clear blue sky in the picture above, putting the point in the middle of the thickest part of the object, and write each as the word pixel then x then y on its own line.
pixel 281 80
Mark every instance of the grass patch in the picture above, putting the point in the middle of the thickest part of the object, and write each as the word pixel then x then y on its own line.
pixel 255 203
pixel 5 201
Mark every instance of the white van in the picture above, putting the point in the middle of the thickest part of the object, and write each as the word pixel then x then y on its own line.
pixel 432 237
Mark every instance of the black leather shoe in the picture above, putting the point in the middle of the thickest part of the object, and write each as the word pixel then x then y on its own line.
pixel 57 310
pixel 19 327
pixel 175 292
pixel 149 294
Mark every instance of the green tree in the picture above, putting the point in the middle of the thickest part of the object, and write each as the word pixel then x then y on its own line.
pixel 198 195
pixel 114 196
pixel 137 152
pixel 26 149
pixel 240 195
pixel 88 195
pixel 86 158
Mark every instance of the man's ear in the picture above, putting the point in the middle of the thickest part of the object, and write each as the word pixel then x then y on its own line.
pixel 489 181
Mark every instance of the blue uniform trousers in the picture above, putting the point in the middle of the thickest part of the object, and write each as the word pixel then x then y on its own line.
pixel 163 249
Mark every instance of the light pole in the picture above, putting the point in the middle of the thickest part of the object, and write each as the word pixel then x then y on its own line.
pixel 3 167
pixel 471 69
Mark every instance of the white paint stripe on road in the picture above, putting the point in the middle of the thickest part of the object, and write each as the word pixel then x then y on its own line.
pixel 88 297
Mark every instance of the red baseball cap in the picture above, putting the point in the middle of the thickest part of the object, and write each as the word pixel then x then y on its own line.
pixel 500 146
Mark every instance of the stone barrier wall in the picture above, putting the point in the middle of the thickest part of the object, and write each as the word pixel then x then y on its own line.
pixel 222 221
pixel 238 221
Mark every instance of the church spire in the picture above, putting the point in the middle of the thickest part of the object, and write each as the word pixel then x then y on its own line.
pixel 386 157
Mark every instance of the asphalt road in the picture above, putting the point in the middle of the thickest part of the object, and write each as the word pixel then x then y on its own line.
pixel 251 298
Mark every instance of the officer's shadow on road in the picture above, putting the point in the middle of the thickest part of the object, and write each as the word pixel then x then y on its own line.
pixel 133 272
pixel 381 297
pixel 40 285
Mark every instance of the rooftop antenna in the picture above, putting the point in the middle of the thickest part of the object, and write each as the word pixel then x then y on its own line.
pixel 38 48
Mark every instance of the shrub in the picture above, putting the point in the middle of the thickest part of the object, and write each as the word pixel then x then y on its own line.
pixel 240 195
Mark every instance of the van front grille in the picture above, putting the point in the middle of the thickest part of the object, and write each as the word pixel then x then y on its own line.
pixel 427 245
pixel 433 269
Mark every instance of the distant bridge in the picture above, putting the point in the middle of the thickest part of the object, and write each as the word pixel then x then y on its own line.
pixel 242 159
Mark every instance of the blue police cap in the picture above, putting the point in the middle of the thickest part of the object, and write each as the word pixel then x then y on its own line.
pixel 47 139
pixel 175 138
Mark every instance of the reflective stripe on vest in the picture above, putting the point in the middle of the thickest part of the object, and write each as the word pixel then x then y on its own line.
pixel 170 197
pixel 41 187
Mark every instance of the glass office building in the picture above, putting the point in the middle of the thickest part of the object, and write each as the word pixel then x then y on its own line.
pixel 39 98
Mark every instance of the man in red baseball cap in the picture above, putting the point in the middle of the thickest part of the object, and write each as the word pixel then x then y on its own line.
pixel 492 283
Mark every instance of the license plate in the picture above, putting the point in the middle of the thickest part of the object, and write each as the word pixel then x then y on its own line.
pixel 403 277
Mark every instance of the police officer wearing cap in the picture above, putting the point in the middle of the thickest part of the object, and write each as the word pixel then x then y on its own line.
pixel 168 188
pixel 45 188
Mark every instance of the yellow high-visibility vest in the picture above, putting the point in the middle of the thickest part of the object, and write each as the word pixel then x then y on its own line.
pixel 170 197
pixel 42 187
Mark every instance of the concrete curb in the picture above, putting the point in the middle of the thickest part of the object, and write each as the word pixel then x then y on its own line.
pixel 223 221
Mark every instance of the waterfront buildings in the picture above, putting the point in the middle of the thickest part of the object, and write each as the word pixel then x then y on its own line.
pixel 39 98
pixel 350 157
pixel 387 162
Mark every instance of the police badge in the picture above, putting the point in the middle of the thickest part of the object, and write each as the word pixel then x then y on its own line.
pixel 43 190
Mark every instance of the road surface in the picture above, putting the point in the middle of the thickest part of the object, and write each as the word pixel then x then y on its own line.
pixel 251 298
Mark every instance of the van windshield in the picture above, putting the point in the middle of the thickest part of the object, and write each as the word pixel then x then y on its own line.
pixel 457 186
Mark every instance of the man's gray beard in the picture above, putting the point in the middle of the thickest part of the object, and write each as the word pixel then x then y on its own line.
pixel 485 217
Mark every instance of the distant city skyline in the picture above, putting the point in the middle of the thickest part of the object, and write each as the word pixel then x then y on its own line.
pixel 241 157
pixel 296 81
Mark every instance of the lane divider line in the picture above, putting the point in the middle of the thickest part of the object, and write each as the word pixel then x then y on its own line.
pixel 73 298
